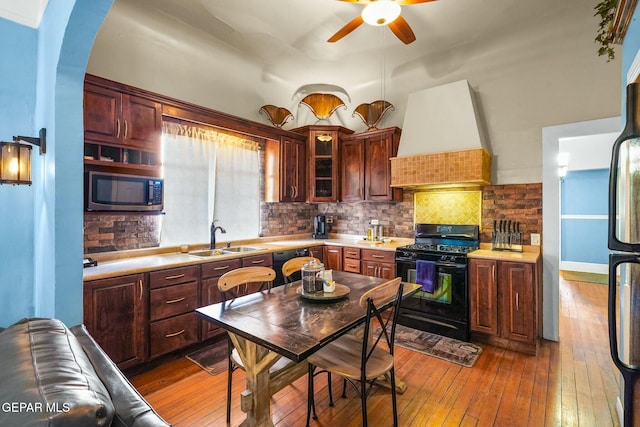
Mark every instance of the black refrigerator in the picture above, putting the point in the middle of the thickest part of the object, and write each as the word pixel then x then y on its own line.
pixel 624 263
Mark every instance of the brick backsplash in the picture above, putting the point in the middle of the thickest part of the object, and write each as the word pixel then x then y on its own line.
pixel 517 202
pixel 105 232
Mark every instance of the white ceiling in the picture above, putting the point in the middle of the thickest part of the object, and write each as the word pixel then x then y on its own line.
pixel 25 12
pixel 281 36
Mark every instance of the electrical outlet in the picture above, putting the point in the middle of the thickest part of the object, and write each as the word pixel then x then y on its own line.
pixel 375 222
pixel 535 239
pixel 329 220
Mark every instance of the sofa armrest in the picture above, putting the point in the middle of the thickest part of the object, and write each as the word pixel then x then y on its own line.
pixel 132 410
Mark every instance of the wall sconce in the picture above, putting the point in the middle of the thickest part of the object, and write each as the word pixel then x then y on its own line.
pixel 15 158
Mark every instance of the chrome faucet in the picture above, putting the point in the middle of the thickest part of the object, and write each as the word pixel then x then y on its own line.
pixel 215 228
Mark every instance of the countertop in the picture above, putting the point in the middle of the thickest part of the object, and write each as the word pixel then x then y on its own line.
pixel 530 254
pixel 139 261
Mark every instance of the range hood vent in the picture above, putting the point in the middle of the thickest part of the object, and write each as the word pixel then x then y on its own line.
pixel 442 142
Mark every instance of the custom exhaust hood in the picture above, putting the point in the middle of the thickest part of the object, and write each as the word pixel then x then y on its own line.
pixel 442 142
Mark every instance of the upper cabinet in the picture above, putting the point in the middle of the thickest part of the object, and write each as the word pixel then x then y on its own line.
pixel 366 168
pixel 285 169
pixel 323 161
pixel 122 129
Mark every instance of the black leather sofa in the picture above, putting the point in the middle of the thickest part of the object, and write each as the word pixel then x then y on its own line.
pixel 51 375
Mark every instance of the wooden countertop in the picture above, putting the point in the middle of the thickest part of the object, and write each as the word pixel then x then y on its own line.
pixel 139 261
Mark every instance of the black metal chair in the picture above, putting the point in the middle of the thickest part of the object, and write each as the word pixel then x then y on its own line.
pixel 360 359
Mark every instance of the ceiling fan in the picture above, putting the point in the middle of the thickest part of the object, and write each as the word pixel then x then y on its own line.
pixel 381 12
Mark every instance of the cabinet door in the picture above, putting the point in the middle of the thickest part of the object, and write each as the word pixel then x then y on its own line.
pixel 378 269
pixel 483 296
pixel 115 315
pixel 517 301
pixel 353 165
pixel 323 166
pixel 332 258
pixel 378 168
pixel 142 122
pixel 293 170
pixel 102 114
pixel 317 252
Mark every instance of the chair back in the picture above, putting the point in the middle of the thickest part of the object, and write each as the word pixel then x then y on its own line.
pixel 383 304
pixel 229 281
pixel 293 265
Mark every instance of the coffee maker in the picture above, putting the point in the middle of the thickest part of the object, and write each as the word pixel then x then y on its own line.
pixel 320 227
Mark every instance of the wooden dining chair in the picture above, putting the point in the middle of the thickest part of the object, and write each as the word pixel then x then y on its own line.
pixel 361 359
pixel 293 265
pixel 228 285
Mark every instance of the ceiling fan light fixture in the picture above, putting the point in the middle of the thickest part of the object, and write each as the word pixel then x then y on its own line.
pixel 381 12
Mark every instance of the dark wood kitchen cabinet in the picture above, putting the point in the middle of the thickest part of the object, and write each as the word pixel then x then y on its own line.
pixel 122 128
pixel 285 169
pixel 504 305
pixel 351 260
pixel 317 252
pixel 366 168
pixel 333 258
pixel 174 295
pixel 115 313
pixel 378 263
pixel 323 167
pixel 210 294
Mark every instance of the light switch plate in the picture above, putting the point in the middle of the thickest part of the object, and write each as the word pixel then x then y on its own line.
pixel 535 239
pixel 329 220
pixel 375 222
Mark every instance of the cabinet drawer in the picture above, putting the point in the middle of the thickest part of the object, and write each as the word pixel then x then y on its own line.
pixel 218 268
pixel 352 253
pixel 264 260
pixel 351 265
pixel 172 276
pixel 172 300
pixel 173 333
pixel 378 256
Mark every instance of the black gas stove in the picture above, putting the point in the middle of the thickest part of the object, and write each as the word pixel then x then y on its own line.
pixel 438 262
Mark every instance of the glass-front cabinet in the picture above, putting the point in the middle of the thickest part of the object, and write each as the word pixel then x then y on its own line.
pixel 324 161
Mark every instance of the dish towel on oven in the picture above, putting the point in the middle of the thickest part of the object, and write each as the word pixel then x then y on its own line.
pixel 425 275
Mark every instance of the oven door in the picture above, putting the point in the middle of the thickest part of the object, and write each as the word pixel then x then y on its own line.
pixel 444 311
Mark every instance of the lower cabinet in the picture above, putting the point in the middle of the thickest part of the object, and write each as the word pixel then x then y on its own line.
pixel 317 252
pixel 210 294
pixel 333 258
pixel 378 263
pixel 351 260
pixel 504 307
pixel 174 295
pixel 115 313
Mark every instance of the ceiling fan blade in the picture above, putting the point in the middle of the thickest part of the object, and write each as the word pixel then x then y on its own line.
pixel 406 2
pixel 402 30
pixel 352 25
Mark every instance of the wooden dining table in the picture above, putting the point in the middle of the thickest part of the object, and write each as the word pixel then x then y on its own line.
pixel 268 325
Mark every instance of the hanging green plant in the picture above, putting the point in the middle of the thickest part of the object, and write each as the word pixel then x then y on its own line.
pixel 606 10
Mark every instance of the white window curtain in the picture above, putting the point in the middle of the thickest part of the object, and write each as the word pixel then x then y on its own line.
pixel 208 175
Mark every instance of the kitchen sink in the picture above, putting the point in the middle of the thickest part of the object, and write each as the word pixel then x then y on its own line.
pixel 237 249
pixel 223 251
pixel 208 253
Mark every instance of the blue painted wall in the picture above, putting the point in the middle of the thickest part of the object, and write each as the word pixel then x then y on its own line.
pixel 584 238
pixel 41 226
pixel 18 68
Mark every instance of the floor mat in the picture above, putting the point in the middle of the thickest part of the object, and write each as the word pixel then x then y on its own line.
pixel 460 352
pixel 212 358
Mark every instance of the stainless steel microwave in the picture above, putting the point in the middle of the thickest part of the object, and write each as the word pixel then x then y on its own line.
pixel 119 192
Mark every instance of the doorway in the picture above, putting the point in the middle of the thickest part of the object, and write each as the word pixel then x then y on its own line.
pixel 551 138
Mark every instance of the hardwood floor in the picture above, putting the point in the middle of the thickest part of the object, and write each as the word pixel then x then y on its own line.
pixel 570 383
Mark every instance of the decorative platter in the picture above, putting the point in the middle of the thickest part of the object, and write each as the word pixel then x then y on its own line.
pixel 340 292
